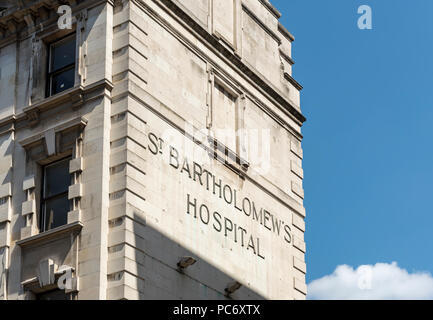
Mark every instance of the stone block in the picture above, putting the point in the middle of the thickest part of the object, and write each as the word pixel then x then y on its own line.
pixel 5 235
pixel 300 265
pixel 5 212
pixel 6 190
pixel 297 189
pixel 76 165
pixel 300 285
pixel 74 216
pixel 299 244
pixel 296 169
pixel 29 183
pixel 298 222
pixel 75 191
pixel 26 232
pixel 296 149
pixel 28 207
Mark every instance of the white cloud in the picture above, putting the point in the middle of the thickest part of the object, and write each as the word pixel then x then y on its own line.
pixel 382 281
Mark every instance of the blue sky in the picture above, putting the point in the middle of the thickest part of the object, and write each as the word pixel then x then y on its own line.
pixel 368 156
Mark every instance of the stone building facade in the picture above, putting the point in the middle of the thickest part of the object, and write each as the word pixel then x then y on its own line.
pixel 150 151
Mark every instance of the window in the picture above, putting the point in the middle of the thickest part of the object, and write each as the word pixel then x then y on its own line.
pixel 54 200
pixel 61 67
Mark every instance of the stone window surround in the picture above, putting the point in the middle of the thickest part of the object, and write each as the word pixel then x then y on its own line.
pixel 51 71
pixel 234 45
pixel 50 194
pixel 48 272
pixel 235 159
pixel 50 140
pixel 41 40
pixel 287 106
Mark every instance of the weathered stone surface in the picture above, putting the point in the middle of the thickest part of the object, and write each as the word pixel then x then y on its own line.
pixel 143 193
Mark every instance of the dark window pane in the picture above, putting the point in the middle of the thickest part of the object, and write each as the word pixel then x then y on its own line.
pixel 57 178
pixel 53 295
pixel 56 212
pixel 62 54
pixel 62 81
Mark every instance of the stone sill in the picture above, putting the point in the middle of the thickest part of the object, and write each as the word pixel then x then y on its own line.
pixel 54 99
pixel 47 236
pixel 74 96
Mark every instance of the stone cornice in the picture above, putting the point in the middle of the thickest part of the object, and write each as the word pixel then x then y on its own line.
pixel 7 122
pixel 285 32
pixel 35 14
pixel 241 65
pixel 22 15
pixel 271 8
pixel 286 57
pixel 74 94
pixel 261 24
pixel 295 83
pixel 78 122
pixel 50 235
pixel 74 97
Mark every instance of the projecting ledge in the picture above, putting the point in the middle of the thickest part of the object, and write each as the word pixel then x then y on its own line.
pixel 49 235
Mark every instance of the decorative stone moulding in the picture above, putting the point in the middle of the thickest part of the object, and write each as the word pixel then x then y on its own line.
pixel 57 252
pixel 75 191
pixel 49 275
pixel 4 235
pixel 29 183
pixel 300 285
pixel 296 149
pixel 28 207
pixel 45 145
pixel 74 216
pixel 76 165
pixel 27 231
pixel 17 16
pixel 5 190
pixel 296 169
pixel 5 212
pixel 297 189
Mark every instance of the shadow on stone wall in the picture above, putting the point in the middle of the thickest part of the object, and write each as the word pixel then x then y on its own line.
pixel 160 277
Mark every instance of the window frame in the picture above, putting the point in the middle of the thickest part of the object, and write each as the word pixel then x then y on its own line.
pixel 44 200
pixel 72 66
